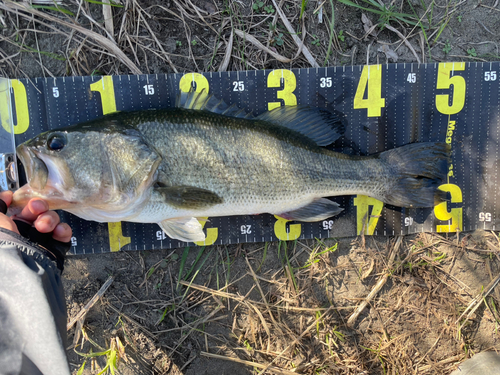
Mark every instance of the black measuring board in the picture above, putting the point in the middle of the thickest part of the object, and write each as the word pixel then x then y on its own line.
pixel 385 106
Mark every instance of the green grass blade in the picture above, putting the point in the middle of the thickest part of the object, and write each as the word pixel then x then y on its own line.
pixel 181 266
pixel 350 3
pixel 56 9
pixel 263 257
pixel 303 8
pixel 80 370
pixel 198 256
pixel 101 3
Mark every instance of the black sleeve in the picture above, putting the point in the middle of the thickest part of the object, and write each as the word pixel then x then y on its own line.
pixel 32 309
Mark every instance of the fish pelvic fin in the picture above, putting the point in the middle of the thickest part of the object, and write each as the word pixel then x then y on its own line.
pixel 188 197
pixel 420 168
pixel 321 125
pixel 187 229
pixel 317 210
pixel 204 101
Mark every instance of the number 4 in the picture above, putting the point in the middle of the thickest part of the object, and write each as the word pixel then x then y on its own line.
pixel 371 83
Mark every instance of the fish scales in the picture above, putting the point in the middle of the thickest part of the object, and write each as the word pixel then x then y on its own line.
pixel 251 164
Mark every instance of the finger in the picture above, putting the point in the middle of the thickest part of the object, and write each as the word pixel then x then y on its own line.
pixel 8 224
pixel 62 232
pixel 6 196
pixel 47 222
pixel 32 210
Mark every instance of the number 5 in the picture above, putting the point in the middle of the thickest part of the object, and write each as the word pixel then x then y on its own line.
pixel 444 81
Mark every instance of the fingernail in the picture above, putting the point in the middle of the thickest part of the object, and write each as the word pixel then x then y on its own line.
pixel 40 205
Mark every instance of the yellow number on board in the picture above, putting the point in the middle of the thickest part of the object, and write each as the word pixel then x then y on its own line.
pixel 371 83
pixel 289 84
pixel 21 101
pixel 116 238
pixel 280 229
pixel 187 82
pixel 212 233
pixel 105 87
pixel 455 214
pixel 444 81
pixel 364 218
pixel 194 79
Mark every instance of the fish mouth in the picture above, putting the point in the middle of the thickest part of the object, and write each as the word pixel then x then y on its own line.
pixel 39 183
pixel 36 170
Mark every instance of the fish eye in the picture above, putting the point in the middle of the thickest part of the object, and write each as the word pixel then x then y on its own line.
pixel 56 142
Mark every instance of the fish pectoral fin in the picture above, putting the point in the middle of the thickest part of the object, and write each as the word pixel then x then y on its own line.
pixel 187 229
pixel 317 210
pixel 188 197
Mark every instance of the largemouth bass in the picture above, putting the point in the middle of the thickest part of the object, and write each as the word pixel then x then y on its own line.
pixel 203 159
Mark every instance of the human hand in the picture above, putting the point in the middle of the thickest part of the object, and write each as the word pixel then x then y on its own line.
pixel 38 224
pixel 36 213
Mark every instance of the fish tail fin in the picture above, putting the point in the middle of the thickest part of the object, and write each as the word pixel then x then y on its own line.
pixel 420 168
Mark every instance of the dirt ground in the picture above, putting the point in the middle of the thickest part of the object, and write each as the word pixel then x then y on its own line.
pixel 284 308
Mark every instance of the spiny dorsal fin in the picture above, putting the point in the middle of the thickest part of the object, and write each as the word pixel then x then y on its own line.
pixel 319 124
pixel 207 102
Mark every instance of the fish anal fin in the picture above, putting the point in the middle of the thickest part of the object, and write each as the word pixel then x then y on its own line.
pixel 188 197
pixel 187 229
pixel 317 210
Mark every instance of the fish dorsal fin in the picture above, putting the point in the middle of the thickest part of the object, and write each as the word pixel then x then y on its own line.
pixel 204 101
pixel 319 124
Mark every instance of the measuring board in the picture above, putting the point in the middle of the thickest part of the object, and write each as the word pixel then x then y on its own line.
pixel 385 106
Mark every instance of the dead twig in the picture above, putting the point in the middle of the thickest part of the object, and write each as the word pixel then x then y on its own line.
pixel 227 55
pixel 405 40
pixel 296 39
pixel 259 45
pixel 276 370
pixel 379 284
pixel 81 314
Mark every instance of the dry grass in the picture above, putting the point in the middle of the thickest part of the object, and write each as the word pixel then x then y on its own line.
pixel 81 38
pixel 294 314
